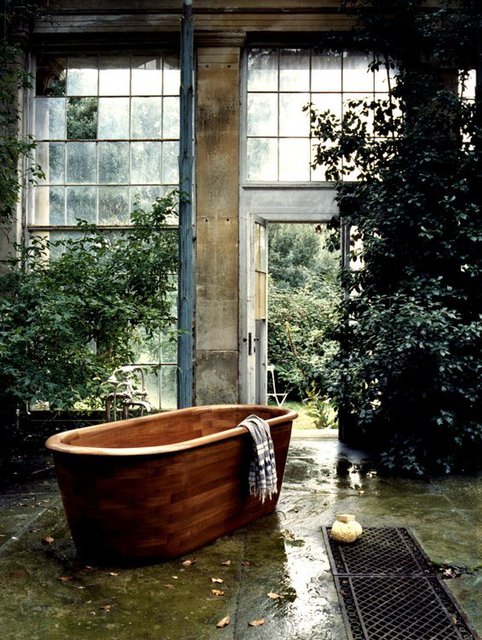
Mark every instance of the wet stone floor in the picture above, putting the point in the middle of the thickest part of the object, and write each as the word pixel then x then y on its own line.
pixel 273 574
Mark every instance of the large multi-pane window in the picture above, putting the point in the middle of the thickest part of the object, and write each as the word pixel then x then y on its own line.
pixel 107 132
pixel 280 82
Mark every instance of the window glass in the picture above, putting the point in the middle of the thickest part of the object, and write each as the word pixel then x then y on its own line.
pixel 294 70
pixel 81 162
pixel 113 162
pixel 263 114
pixel 109 120
pixel 114 76
pixel 107 132
pixel 281 83
pixel 50 118
pixel 263 70
pixel 113 118
pixel 146 117
pixel 146 76
pixel 82 77
pixel 113 205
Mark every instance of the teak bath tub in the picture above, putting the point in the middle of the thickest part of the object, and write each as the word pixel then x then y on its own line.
pixel 162 485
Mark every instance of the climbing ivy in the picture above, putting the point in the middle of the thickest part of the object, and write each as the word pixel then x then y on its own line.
pixel 17 168
pixel 408 374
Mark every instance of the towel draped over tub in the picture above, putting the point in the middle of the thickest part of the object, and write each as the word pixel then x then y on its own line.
pixel 263 481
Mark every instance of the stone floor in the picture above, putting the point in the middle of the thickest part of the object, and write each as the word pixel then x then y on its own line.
pixel 276 570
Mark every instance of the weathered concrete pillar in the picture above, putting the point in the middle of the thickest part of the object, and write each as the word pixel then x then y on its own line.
pixel 217 187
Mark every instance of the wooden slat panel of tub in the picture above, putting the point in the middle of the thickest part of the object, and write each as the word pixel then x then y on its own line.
pixel 163 506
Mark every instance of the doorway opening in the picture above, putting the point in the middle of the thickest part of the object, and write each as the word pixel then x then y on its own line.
pixel 303 295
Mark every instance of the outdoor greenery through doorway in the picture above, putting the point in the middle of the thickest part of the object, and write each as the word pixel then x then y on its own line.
pixel 303 313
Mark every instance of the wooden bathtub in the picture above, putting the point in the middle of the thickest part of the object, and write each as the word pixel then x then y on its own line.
pixel 162 485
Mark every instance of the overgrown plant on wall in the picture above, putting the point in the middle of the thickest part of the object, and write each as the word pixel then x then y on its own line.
pixel 409 371
pixel 70 309
pixel 16 150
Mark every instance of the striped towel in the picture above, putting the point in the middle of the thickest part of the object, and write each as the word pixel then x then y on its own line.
pixel 263 481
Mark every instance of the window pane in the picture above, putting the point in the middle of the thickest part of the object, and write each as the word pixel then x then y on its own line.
pixel 385 78
pixel 294 70
pixel 50 76
pixel 145 196
pixel 50 118
pixel 113 205
pixel 294 160
pixel 81 162
pixel 146 162
pixel 263 114
pixel 114 76
pixel 114 162
pixel 326 71
pixel 168 399
pixel 171 76
pixel 81 204
pixel 356 76
pixel 169 347
pixel 49 206
pixel 113 118
pixel 82 77
pixel 146 117
pixel 82 118
pixel 263 70
pixel 170 119
pixel 293 121
pixel 146 76
pixel 327 102
pixel 170 162
pixel 51 158
pixel 262 160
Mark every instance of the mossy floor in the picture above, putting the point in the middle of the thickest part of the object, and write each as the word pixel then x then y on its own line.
pixel 274 573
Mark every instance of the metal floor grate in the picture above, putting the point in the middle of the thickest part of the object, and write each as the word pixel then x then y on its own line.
pixel 388 589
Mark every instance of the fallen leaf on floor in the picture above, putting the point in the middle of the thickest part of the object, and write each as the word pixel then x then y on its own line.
pixel 105 607
pixel 188 563
pixel 287 535
pixel 217 580
pixel 226 563
pixel 217 592
pixel 274 596
pixel 256 623
pixel 65 578
pixel 168 586
pixel 48 540
pixel 223 622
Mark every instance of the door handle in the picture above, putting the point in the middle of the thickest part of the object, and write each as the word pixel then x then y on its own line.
pixel 250 341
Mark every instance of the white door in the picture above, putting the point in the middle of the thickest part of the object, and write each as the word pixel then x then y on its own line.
pixel 254 346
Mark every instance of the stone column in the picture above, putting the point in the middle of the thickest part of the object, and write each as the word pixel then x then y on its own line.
pixel 217 197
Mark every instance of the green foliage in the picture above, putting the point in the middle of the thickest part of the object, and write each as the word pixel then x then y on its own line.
pixel 16 167
pixel 67 322
pixel 303 307
pixel 411 362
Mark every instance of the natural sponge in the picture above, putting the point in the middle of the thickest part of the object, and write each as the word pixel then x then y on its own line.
pixel 346 528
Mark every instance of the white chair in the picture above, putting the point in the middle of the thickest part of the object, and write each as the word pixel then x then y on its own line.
pixel 279 397
pixel 129 390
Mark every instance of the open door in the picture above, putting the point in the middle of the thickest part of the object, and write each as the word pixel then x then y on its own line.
pixel 255 332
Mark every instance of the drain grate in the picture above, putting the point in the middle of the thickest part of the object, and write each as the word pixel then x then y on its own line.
pixel 388 589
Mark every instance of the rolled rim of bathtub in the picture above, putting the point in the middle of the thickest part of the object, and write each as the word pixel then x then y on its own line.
pixel 61 442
